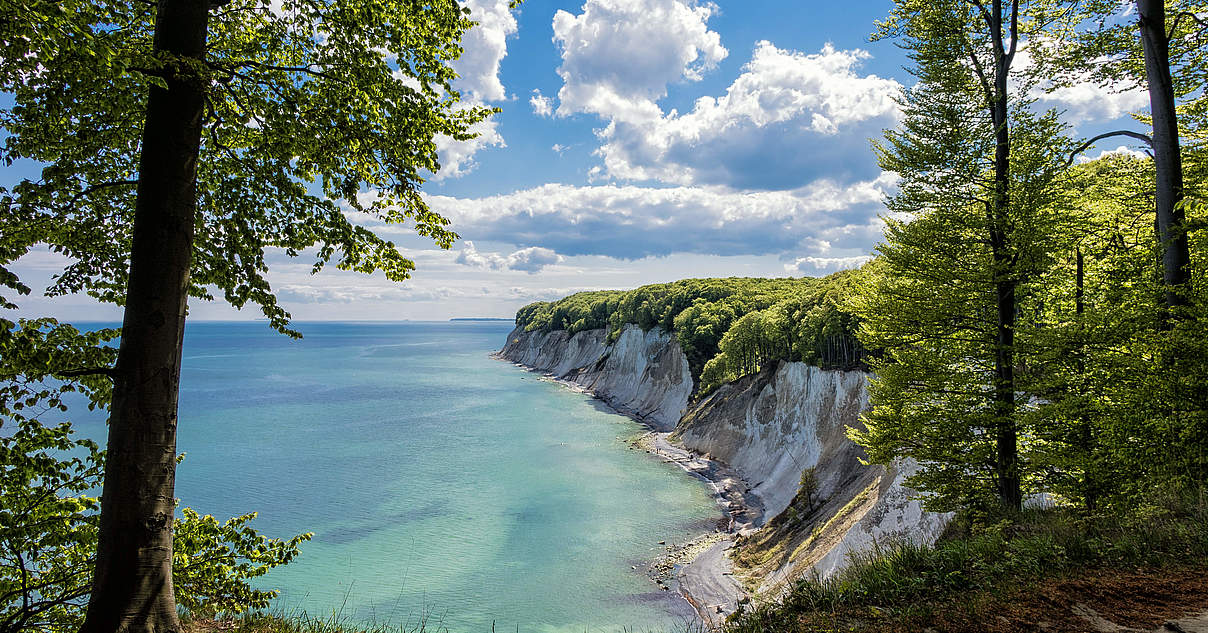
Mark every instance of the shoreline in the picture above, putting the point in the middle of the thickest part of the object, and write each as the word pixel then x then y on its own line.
pixel 702 576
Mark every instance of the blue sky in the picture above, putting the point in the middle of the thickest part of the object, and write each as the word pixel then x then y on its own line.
pixel 640 141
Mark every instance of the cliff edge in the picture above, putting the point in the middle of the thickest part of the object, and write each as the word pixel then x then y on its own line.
pixel 771 426
pixel 642 374
pixel 767 428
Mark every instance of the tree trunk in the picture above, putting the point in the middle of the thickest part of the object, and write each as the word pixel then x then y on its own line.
pixel 1086 433
pixel 1006 434
pixel 1176 257
pixel 132 587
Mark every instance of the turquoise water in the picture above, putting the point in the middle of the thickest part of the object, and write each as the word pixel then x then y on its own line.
pixel 438 482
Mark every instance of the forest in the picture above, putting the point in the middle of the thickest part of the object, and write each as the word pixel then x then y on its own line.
pixel 729 327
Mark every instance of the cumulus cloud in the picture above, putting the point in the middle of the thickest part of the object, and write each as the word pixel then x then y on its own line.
pixel 530 260
pixel 1084 100
pixel 542 105
pixel 630 222
pixel 484 47
pixel 787 119
pixel 457 157
pixel 815 265
pixel 618 56
pixel 1122 149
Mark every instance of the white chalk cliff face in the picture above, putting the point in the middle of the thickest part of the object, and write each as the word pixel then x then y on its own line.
pixel 768 428
pixel 643 374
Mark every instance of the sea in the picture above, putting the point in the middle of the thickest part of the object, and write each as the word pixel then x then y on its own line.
pixel 445 488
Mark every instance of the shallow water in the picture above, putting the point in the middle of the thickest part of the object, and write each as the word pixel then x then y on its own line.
pixel 439 483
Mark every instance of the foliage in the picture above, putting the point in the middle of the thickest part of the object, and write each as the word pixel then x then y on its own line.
pixel 48 538
pixel 808 488
pixel 47 526
pixel 48 515
pixel 811 325
pixel 314 108
pixel 736 324
pixel 1117 394
pixel 212 563
pixel 1104 48
pixel 321 121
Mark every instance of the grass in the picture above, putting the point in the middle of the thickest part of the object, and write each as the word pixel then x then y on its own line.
pixel 281 622
pixel 977 569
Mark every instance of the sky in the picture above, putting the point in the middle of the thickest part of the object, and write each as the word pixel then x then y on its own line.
pixel 640 141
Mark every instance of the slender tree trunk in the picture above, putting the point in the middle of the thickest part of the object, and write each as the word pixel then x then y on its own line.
pixel 1086 435
pixel 1176 256
pixel 1006 435
pixel 132 587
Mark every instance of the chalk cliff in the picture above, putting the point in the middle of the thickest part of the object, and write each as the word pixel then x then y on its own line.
pixel 771 426
pixel 768 428
pixel 643 374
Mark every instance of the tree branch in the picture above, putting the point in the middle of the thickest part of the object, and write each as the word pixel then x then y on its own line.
pixel 86 371
pixel 977 68
pixel 1082 148
pixel 1185 14
pixel 984 13
pixel 1014 32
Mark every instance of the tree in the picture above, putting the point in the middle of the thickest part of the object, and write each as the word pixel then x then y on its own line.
pixel 183 141
pixel 1161 51
pixel 971 227
pixel 1167 159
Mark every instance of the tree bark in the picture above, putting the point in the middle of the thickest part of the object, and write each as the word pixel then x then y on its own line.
pixel 1006 433
pixel 1176 256
pixel 132 587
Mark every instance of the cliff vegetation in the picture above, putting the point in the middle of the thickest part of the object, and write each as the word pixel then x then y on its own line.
pixel 728 327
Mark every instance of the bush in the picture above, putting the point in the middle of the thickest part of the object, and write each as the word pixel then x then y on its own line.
pixel 48 539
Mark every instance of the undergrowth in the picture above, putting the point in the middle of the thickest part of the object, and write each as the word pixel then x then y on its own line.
pixel 907 582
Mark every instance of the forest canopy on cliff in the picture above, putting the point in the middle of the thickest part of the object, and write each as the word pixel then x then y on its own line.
pixel 728 327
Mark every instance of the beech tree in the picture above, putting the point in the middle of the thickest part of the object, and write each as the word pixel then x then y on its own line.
pixel 181 142
pixel 971 226
pixel 1158 46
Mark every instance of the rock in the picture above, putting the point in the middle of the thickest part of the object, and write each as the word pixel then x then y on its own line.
pixel 644 374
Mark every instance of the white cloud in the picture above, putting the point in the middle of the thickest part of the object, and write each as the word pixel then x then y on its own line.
pixel 530 260
pixel 788 118
pixel 815 265
pixel 457 157
pixel 542 105
pixel 559 148
pixel 485 46
pixel 618 56
pixel 630 222
pixel 1084 100
pixel 1122 149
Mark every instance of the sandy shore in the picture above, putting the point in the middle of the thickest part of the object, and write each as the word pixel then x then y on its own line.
pixel 699 569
